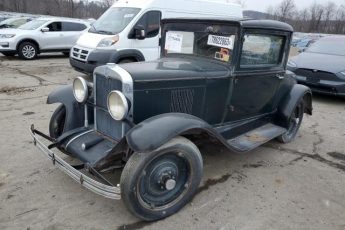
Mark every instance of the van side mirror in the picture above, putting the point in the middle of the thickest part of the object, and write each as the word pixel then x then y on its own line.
pixel 139 32
pixel 45 29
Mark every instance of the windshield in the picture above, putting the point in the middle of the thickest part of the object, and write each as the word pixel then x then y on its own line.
pixel 114 20
pixel 330 45
pixel 33 25
pixel 8 22
pixel 211 41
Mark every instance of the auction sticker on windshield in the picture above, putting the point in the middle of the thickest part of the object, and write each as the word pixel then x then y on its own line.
pixel 173 42
pixel 220 41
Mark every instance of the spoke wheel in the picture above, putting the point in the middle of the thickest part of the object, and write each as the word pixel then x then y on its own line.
pixel 157 184
pixel 294 124
pixel 28 50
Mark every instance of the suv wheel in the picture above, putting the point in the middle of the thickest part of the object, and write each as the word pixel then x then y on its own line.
pixel 157 184
pixel 27 50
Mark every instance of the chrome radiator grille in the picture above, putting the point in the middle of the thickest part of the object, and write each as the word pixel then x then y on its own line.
pixel 104 123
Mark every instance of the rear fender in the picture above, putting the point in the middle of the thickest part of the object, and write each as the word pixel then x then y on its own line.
pixel 289 102
pixel 156 131
pixel 74 110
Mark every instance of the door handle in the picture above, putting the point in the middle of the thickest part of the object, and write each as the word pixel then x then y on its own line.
pixel 280 77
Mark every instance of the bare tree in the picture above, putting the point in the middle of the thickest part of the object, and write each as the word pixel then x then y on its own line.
pixel 285 9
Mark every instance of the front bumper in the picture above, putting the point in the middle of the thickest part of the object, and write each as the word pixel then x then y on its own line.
pixel 323 87
pixel 7 45
pixel 86 60
pixel 112 192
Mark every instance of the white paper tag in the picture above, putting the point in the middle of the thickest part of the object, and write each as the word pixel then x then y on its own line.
pixel 220 41
pixel 173 42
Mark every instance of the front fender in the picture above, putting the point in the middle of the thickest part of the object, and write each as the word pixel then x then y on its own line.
pixel 74 110
pixel 155 131
pixel 286 107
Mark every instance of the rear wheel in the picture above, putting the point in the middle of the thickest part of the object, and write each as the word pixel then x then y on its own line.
pixel 57 122
pixel 28 50
pixel 66 54
pixel 156 185
pixel 294 124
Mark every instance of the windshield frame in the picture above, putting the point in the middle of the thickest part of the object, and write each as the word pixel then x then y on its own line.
pixel 191 26
pixel 94 29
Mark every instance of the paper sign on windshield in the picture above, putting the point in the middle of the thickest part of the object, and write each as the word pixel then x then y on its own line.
pixel 220 41
pixel 173 42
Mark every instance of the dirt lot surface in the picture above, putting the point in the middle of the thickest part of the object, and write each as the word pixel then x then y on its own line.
pixel 295 186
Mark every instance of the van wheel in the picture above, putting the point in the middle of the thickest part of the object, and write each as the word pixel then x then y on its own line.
pixel 27 50
pixel 57 122
pixel 127 60
pixel 294 124
pixel 66 54
pixel 157 184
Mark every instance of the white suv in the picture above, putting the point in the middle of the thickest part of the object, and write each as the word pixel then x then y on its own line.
pixel 42 35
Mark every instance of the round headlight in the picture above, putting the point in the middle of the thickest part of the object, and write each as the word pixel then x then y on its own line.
pixel 80 90
pixel 117 105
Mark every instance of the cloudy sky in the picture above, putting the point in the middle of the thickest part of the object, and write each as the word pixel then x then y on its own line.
pixel 261 5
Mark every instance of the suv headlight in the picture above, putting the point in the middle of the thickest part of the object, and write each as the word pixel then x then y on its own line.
pixel 80 89
pixel 7 35
pixel 292 64
pixel 106 42
pixel 117 105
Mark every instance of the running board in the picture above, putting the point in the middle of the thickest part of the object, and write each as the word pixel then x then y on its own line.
pixel 256 137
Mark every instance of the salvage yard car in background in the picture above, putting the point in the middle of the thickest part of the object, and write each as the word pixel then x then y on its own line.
pixel 322 66
pixel 221 79
pixel 44 34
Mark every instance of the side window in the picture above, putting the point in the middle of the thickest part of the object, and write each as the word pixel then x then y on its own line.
pixel 151 21
pixel 72 26
pixel 261 50
pixel 54 27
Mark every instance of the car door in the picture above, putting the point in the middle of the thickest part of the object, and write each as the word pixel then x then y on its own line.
pixel 52 39
pixel 71 31
pixel 259 73
pixel 150 45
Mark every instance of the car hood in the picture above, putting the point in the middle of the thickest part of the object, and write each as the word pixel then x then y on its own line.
pixel 176 68
pixel 323 62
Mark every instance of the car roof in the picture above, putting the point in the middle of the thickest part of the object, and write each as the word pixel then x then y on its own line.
pixel 334 38
pixel 62 19
pixel 243 22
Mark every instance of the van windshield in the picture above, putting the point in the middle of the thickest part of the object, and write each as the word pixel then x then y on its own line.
pixel 210 41
pixel 114 20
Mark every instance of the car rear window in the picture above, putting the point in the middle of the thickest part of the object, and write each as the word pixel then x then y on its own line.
pixel 73 26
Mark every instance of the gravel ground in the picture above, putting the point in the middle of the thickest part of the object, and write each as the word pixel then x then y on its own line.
pixel 296 186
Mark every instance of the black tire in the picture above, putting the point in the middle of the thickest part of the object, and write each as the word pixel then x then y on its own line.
pixel 156 185
pixel 57 122
pixel 127 60
pixel 8 53
pixel 65 54
pixel 295 122
pixel 28 51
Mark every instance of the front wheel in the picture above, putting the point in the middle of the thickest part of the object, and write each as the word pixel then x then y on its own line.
pixel 27 50
pixel 156 185
pixel 57 122
pixel 294 124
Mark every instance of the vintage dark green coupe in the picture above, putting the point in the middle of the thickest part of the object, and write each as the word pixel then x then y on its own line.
pixel 220 79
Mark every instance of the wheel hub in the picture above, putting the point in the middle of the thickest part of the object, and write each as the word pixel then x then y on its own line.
pixel 170 184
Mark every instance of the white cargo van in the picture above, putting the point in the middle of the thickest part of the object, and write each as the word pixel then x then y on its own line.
pixel 129 31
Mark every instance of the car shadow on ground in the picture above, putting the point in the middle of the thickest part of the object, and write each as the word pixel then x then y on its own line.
pixel 40 56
